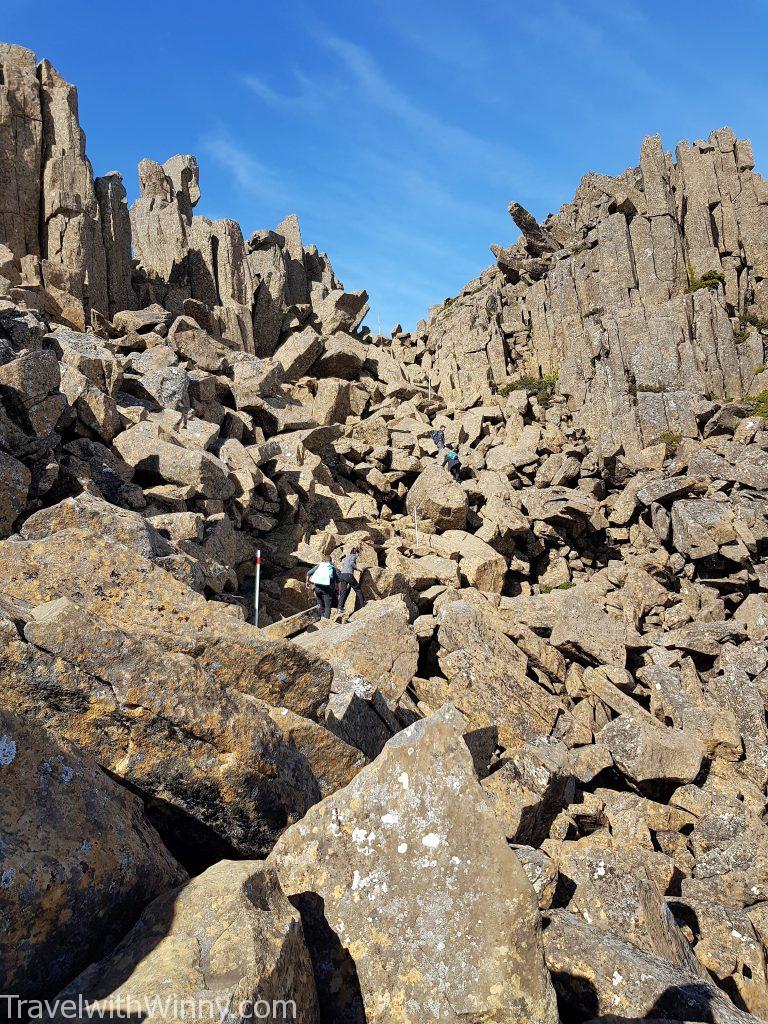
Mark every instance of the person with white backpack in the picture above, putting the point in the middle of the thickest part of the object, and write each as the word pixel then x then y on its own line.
pixel 323 580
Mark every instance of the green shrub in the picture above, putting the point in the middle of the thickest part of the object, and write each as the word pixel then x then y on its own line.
pixel 757 321
pixel 741 336
pixel 760 404
pixel 634 388
pixel 709 279
pixel 545 589
pixel 670 441
pixel 540 388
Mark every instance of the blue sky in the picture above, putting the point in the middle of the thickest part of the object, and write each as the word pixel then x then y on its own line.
pixel 399 131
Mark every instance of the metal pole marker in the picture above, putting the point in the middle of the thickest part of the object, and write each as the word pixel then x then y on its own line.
pixel 256 585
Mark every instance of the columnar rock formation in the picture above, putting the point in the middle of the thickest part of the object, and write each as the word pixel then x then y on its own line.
pixel 643 294
pixel 52 208
pixel 528 778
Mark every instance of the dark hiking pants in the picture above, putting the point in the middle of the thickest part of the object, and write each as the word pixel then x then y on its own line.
pixel 348 582
pixel 324 598
pixel 454 468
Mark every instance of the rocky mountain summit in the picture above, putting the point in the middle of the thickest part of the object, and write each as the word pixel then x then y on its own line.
pixel 526 781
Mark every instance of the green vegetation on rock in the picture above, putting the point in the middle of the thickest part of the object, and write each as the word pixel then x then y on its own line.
pixel 709 279
pixel 540 388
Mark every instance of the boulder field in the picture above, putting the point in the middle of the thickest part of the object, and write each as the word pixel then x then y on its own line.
pixel 526 780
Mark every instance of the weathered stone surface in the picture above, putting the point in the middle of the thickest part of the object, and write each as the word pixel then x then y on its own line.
pixel 425 571
pixel 30 385
pixel 377 646
pixel 487 678
pixel 100 517
pixel 203 752
pixel 21 130
pixel 738 966
pixel 482 566
pixel 702 527
pixel 374 863
pixel 70 225
pixel 253 380
pixel 206 749
pixel 78 859
pixel 116 237
pixel 437 498
pixel 342 357
pixel 267 263
pixel 647 754
pixel 229 938
pixel 296 285
pixel 596 972
pixel 362 718
pixel 528 790
pixel 333 759
pixel 341 311
pixel 15 479
pixel 584 630
pixel 617 889
pixel 299 352
pixel 144 448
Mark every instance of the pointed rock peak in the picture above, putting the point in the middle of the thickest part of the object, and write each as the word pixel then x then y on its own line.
pixel 538 239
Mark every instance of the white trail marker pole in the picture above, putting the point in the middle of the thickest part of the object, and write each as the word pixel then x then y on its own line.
pixel 256 585
pixel 416 526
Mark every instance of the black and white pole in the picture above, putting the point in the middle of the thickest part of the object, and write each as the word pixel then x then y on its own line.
pixel 256 585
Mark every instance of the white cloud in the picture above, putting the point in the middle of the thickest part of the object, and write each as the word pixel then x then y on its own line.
pixel 306 99
pixel 491 159
pixel 249 174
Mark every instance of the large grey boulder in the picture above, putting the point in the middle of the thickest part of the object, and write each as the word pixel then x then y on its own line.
pixel 487 678
pixel 341 311
pixel 145 448
pixel 436 497
pixel 163 688
pixel 398 876
pixel 15 479
pixel 297 354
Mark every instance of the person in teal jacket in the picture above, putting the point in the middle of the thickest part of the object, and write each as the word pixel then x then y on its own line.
pixel 452 462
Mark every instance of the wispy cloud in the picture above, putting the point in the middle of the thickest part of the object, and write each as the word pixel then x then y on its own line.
pixel 492 160
pixel 449 39
pixel 306 100
pixel 249 174
pixel 596 31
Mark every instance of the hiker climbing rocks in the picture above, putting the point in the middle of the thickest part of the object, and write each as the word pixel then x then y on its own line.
pixel 453 463
pixel 323 578
pixel 347 581
pixel 438 436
